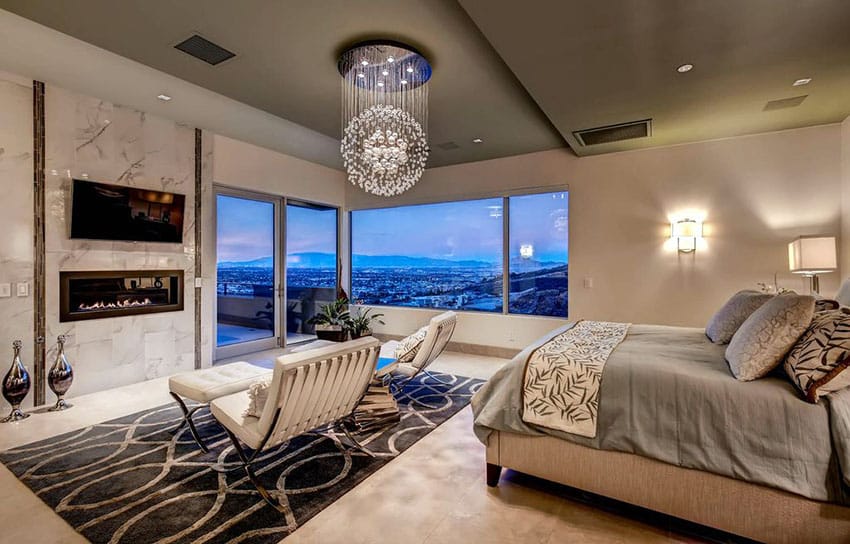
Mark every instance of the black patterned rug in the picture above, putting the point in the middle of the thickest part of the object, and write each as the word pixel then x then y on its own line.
pixel 132 480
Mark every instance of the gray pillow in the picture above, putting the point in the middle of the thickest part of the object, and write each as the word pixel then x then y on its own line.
pixel 722 326
pixel 768 334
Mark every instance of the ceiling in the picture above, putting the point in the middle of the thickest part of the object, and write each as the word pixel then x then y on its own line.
pixel 522 76
pixel 590 64
pixel 287 53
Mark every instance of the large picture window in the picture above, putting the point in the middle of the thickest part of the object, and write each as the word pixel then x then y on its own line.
pixel 445 255
pixel 452 255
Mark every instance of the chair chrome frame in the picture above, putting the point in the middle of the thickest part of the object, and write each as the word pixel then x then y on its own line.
pixel 187 420
pixel 248 456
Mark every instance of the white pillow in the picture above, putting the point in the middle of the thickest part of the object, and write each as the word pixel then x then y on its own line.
pixel 407 349
pixel 258 393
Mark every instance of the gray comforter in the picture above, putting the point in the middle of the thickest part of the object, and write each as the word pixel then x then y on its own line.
pixel 667 394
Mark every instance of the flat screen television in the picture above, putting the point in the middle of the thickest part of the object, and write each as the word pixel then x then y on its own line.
pixel 102 211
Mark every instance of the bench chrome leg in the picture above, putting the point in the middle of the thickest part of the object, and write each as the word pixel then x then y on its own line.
pixel 187 420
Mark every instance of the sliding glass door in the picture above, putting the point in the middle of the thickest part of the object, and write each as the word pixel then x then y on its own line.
pixel 254 233
pixel 311 265
pixel 248 264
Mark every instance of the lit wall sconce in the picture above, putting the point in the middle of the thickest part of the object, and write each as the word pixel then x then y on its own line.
pixel 685 232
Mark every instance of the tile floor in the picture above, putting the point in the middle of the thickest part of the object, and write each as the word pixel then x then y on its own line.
pixel 433 493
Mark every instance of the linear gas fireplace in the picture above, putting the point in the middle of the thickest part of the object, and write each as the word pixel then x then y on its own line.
pixel 94 295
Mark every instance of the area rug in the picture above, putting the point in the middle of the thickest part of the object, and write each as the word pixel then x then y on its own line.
pixel 133 480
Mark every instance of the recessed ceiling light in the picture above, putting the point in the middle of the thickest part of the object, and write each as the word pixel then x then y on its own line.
pixel 164 97
pixel 802 81
pixel 364 62
pixel 403 82
pixel 361 75
pixel 390 59
pixel 477 141
pixel 685 68
pixel 385 73
pixel 380 84
pixel 410 69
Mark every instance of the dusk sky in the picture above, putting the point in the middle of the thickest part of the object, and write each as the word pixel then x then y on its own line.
pixel 465 230
pixel 245 229
pixel 453 230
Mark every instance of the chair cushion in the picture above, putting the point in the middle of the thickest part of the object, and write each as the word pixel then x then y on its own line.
pixel 228 411
pixel 768 334
pixel 729 318
pixel 210 383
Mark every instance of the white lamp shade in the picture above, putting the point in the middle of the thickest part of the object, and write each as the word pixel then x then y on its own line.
pixel 814 255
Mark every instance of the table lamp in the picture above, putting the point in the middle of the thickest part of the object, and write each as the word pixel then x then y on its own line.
pixel 812 255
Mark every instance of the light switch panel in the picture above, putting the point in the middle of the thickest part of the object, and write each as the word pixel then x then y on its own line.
pixel 5 290
pixel 588 283
pixel 199 282
pixel 23 289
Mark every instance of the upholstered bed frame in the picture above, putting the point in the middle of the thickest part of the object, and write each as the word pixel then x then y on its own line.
pixel 745 509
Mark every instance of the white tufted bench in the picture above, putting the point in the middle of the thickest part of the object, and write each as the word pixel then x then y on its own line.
pixel 206 385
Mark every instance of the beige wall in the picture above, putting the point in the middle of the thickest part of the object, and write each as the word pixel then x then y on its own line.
pixel 845 201
pixel 757 193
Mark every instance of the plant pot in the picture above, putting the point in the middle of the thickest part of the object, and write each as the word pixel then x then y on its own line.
pixel 333 333
pixel 361 335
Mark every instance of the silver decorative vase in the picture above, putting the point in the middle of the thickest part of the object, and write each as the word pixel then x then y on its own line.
pixel 60 377
pixel 16 385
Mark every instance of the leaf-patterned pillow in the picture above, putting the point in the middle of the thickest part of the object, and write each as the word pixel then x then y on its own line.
pixel 817 362
pixel 407 349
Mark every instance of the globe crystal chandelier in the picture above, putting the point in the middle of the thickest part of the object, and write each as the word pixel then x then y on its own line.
pixel 384 116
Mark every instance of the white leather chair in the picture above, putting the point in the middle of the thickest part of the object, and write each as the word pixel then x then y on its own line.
pixel 440 331
pixel 311 390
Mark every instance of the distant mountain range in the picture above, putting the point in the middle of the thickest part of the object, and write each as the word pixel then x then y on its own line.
pixel 328 260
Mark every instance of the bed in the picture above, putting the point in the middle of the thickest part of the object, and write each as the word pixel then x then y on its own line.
pixel 676 433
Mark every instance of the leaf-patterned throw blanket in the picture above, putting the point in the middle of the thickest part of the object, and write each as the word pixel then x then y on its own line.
pixel 560 390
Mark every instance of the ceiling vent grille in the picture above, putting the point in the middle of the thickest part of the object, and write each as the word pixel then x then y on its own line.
pixel 614 133
pixel 205 50
pixel 783 103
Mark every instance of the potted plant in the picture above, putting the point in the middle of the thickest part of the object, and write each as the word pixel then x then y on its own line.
pixel 361 324
pixel 331 321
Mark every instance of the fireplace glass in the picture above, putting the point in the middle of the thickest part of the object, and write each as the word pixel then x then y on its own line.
pixel 100 294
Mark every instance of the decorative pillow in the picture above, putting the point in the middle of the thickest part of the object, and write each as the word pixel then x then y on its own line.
pixel 258 393
pixel 817 362
pixel 768 334
pixel 408 348
pixel 825 304
pixel 732 315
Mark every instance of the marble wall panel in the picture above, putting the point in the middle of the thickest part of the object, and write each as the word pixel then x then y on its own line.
pixel 16 221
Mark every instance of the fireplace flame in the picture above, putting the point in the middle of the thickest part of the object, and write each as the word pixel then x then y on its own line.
pixel 129 303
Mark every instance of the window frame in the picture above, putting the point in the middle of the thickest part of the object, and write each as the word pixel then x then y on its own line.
pixel 506 259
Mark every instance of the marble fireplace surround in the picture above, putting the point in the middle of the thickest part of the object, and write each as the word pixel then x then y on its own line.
pixel 88 138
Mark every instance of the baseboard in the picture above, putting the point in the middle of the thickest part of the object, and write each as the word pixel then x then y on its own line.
pixel 463 347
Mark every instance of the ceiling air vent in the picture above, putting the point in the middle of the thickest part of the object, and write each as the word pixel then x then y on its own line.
pixel 614 133
pixel 783 103
pixel 201 48
pixel 448 146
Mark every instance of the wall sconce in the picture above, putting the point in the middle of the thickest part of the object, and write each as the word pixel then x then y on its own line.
pixel 686 232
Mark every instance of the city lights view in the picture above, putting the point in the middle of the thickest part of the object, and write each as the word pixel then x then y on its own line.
pixel 446 255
